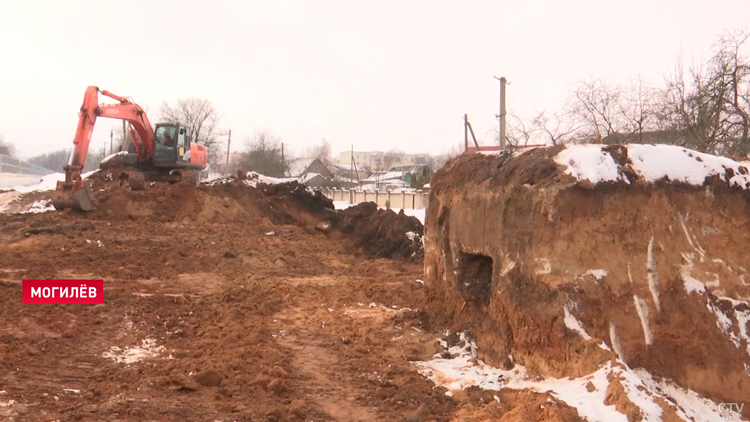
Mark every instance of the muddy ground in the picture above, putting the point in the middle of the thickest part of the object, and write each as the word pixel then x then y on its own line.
pixel 221 303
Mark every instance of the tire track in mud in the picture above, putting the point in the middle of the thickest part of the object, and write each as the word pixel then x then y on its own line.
pixel 326 382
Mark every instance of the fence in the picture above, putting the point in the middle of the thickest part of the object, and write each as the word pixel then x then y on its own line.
pixel 406 200
pixel 16 172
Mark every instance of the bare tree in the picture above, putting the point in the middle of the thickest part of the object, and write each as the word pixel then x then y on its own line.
pixel 638 106
pixel 597 105
pixel 263 154
pixel 518 132
pixel 454 151
pixel 729 78
pixel 6 148
pixel 54 160
pixel 391 158
pixel 321 151
pixel 557 128
pixel 201 117
pixel 709 104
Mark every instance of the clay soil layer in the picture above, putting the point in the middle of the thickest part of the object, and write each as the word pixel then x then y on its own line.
pixel 513 244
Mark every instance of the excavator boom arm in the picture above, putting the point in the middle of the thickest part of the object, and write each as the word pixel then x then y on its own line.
pixel 74 192
pixel 125 110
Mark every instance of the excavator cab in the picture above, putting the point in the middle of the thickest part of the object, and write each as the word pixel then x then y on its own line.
pixel 172 144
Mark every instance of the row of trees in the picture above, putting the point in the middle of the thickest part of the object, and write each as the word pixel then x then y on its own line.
pixel 264 153
pixel 704 106
pixel 6 148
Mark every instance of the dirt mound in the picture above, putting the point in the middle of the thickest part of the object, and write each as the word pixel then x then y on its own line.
pixel 288 203
pixel 561 260
pixel 312 202
pixel 382 233
pixel 374 232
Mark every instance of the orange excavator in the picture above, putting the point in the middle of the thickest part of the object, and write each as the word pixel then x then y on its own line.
pixel 162 153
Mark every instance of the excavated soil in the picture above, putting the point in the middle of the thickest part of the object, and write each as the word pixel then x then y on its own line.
pixel 382 233
pixel 234 306
pixel 512 243
pixel 222 303
pixel 228 302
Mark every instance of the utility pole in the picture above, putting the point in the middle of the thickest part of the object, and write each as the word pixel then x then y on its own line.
pixel 282 161
pixel 111 137
pixel 466 133
pixel 124 138
pixel 229 144
pixel 351 165
pixel 503 82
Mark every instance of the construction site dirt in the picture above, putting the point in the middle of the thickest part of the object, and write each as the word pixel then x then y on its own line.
pixel 245 301
pixel 223 302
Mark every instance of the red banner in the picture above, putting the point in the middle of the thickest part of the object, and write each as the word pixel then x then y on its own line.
pixel 62 292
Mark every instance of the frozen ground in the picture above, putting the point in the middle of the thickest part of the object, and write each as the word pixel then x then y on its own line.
pixel 587 394
pixel 651 162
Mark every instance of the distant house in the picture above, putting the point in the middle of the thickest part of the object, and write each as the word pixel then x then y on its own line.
pixel 401 176
pixel 301 167
pixel 347 171
pixel 312 172
pixel 412 172
pixel 379 160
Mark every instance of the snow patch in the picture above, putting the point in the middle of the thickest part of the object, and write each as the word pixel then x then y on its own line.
pixel 691 240
pixel 642 308
pixel 588 162
pixel 40 206
pixel 48 182
pixel 546 266
pixel 651 274
pixel 615 341
pixel 692 285
pixel 342 205
pixel 652 163
pixel 691 405
pixel 598 274
pixel 111 156
pixel 741 310
pixel 723 322
pixel 573 324
pixel 464 370
pixel 129 355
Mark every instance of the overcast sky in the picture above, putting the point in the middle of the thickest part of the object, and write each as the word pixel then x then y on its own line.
pixel 376 74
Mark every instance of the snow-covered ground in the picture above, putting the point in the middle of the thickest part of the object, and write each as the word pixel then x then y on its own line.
pixel 342 205
pixel 9 180
pixel 587 394
pixel 46 183
pixel 652 163
pixel 253 179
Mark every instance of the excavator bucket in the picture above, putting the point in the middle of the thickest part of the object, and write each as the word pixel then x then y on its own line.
pixel 76 195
